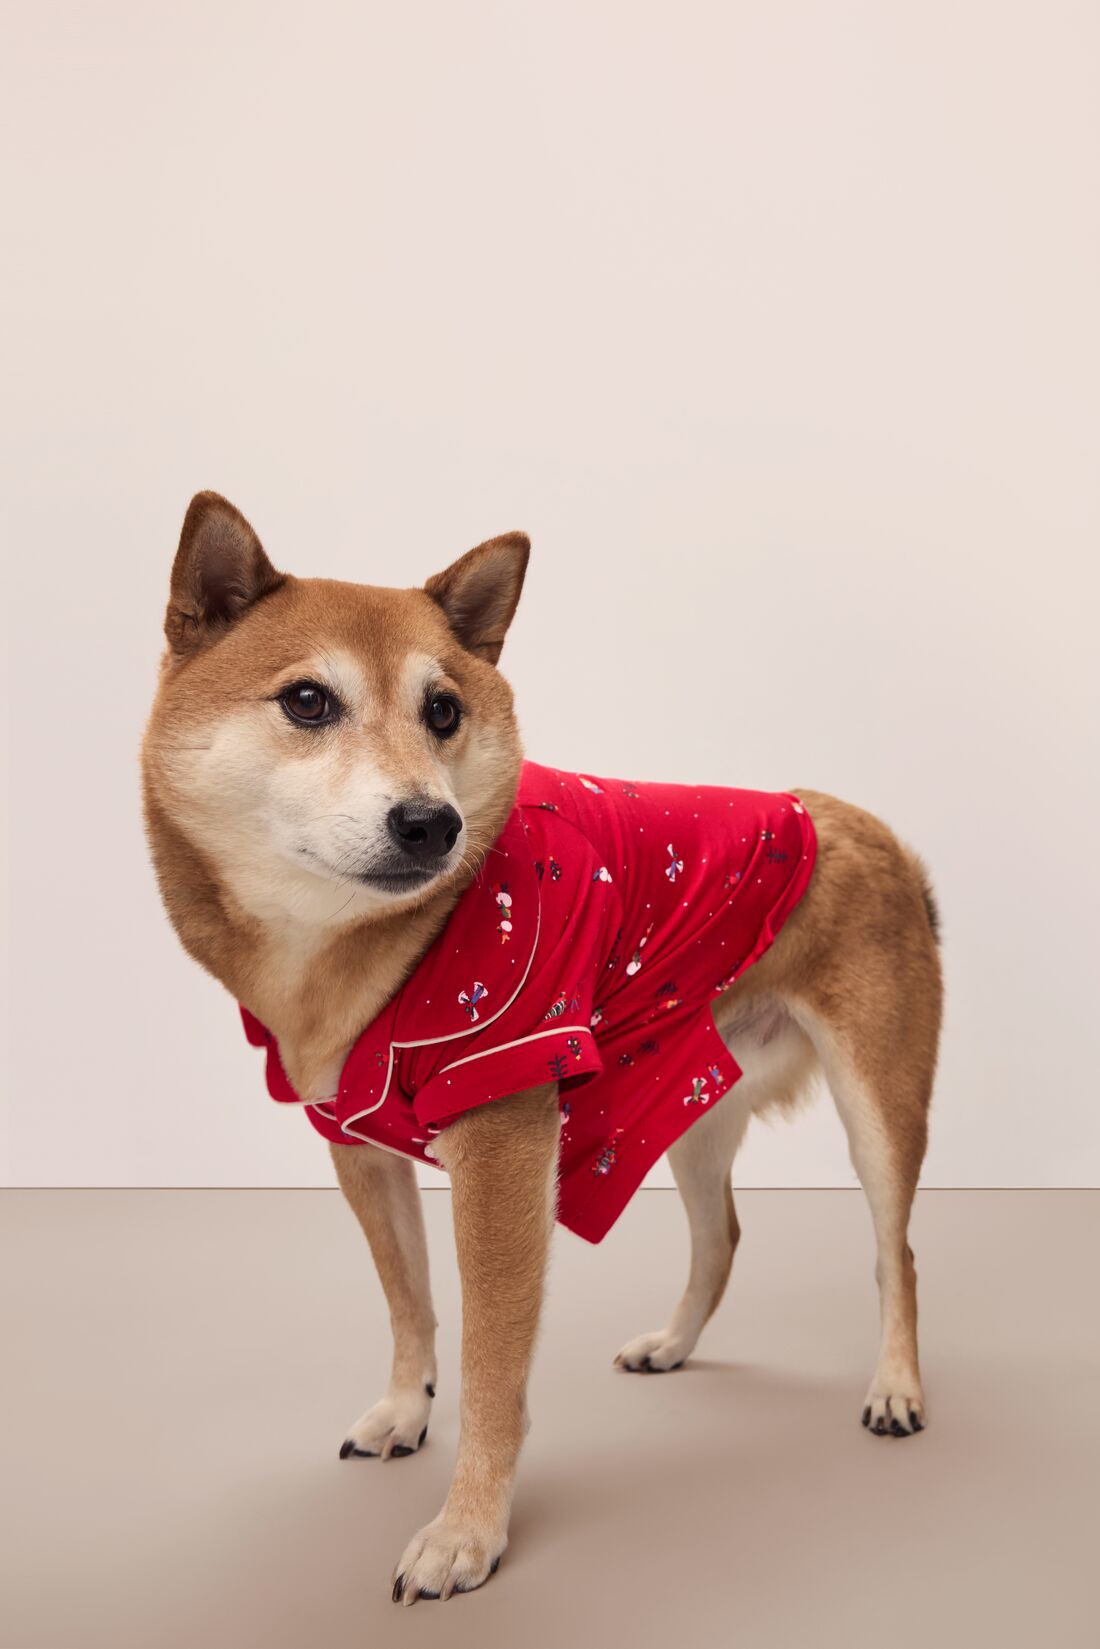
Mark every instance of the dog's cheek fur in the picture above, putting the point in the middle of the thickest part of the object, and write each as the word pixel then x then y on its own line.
pixel 218 792
pixel 486 772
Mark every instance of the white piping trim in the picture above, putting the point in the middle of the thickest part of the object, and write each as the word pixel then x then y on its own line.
pixel 452 1036
pixel 486 1053
pixel 391 1150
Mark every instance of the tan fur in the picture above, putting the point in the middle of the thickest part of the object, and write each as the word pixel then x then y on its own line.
pixel 858 955
pixel 851 989
pixel 502 1161
pixel 259 833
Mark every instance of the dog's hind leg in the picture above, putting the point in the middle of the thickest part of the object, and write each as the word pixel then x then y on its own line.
pixel 882 1083
pixel 381 1188
pixel 776 1060
pixel 701 1161
pixel 859 967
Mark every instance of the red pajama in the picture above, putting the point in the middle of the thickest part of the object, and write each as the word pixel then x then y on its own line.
pixel 587 952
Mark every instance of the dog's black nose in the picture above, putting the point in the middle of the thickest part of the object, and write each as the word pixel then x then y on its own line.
pixel 423 830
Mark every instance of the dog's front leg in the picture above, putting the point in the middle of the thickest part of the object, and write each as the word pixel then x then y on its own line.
pixel 384 1197
pixel 502 1159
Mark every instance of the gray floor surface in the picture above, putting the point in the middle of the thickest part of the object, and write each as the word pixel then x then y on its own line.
pixel 180 1368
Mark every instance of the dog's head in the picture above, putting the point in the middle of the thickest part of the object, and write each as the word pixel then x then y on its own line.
pixel 331 750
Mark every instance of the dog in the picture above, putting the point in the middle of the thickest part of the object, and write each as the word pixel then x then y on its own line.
pixel 334 787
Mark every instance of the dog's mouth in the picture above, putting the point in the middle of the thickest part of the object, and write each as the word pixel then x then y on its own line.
pixel 400 881
pixel 402 876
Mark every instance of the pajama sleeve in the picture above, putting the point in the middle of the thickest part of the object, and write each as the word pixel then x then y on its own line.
pixel 544 1034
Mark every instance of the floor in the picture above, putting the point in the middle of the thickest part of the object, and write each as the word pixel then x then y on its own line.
pixel 180 1367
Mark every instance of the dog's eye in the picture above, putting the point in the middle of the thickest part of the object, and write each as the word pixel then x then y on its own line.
pixel 443 715
pixel 305 701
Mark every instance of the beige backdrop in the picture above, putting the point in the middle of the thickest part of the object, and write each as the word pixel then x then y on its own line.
pixel 775 326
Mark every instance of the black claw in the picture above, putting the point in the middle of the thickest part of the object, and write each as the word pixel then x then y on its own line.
pixel 429 1388
pixel 898 1429
pixel 917 1425
pixel 645 1366
pixel 867 1415
pixel 398 1588
pixel 401 1448
pixel 350 1451
pixel 879 1427
pixel 420 1439
pixel 680 1364
pixel 494 1565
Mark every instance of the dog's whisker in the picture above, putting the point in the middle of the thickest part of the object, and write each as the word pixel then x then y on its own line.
pixel 345 904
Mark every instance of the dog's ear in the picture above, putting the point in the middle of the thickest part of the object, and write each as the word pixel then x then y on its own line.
pixel 219 571
pixel 480 592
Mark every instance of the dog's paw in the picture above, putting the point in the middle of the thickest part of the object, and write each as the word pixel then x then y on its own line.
pixel 653 1353
pixel 890 1414
pixel 395 1426
pixel 447 1556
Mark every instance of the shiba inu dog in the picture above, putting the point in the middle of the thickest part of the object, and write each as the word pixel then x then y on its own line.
pixel 327 769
